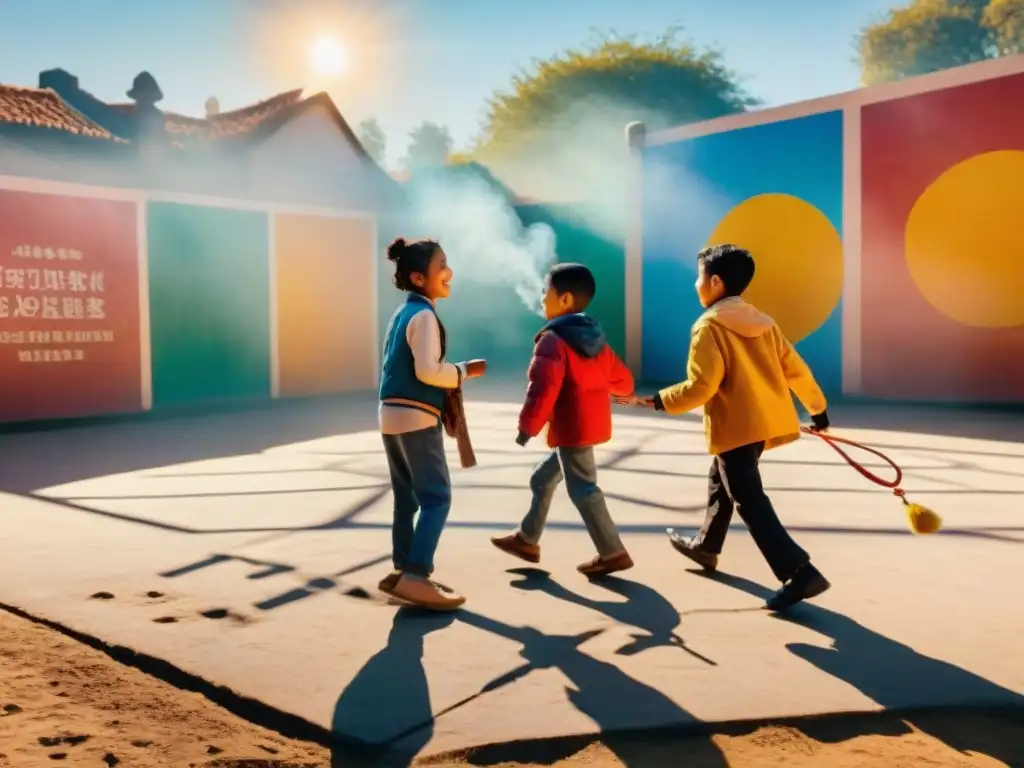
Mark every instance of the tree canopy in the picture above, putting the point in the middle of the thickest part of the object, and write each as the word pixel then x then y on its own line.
pixel 372 137
pixel 930 35
pixel 596 89
pixel 430 144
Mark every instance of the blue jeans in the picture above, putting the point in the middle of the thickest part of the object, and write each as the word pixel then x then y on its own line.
pixel 419 481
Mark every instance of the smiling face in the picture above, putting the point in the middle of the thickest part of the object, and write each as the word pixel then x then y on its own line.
pixel 435 283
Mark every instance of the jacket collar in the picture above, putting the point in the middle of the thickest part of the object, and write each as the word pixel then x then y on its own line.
pixel 415 298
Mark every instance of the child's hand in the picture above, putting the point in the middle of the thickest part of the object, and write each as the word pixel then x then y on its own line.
pixel 476 368
pixel 522 438
pixel 634 400
pixel 820 423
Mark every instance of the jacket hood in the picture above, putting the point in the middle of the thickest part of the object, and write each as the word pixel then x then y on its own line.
pixel 736 315
pixel 579 331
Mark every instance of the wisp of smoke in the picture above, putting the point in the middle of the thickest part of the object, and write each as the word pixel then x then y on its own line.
pixel 582 159
pixel 486 244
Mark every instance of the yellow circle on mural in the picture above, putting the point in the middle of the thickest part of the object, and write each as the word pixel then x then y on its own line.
pixel 799 255
pixel 964 247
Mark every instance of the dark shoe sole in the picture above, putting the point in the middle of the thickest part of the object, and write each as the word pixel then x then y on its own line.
pixel 602 569
pixel 783 600
pixel 528 557
pixel 705 560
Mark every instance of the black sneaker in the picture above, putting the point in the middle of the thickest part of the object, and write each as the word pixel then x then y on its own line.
pixel 807 583
pixel 684 546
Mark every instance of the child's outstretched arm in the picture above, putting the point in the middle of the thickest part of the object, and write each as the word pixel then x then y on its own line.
pixel 801 381
pixel 620 378
pixel 424 336
pixel 546 374
pixel 705 369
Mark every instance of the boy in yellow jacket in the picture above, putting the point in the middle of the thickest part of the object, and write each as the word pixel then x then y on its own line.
pixel 741 370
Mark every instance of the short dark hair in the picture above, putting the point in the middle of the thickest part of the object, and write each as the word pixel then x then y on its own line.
pixel 575 279
pixel 410 257
pixel 733 265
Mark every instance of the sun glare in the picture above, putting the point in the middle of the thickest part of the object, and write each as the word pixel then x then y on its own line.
pixel 328 57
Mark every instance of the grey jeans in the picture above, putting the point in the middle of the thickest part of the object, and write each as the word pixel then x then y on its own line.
pixel 579 469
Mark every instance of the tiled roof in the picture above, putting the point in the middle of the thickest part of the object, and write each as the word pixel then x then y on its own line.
pixel 233 124
pixel 42 108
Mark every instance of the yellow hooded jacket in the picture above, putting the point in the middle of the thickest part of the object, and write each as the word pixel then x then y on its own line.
pixel 741 369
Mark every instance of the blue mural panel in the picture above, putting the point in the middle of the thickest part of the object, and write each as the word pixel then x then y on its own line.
pixel 775 188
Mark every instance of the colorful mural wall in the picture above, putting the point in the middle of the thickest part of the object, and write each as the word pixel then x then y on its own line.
pixel 69 306
pixel 885 225
pixel 492 322
pixel 114 302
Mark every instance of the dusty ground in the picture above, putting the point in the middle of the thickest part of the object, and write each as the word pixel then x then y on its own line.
pixel 63 702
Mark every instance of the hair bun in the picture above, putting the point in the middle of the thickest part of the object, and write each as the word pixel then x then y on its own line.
pixel 397 249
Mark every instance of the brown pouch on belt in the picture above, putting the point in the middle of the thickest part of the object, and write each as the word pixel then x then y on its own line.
pixel 454 419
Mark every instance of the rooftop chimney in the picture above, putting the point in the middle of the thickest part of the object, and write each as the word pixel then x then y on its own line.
pixel 212 107
pixel 144 91
pixel 149 120
pixel 58 80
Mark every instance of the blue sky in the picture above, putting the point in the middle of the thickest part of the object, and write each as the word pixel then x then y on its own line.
pixel 412 60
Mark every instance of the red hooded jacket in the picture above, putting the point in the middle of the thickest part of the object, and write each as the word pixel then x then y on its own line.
pixel 572 375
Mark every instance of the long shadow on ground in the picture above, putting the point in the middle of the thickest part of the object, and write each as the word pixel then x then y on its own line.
pixel 801 741
pixel 388 704
pixel 891 673
pixel 50 457
pixel 896 677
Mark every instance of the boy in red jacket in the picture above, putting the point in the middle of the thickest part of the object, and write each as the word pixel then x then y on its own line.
pixel 573 375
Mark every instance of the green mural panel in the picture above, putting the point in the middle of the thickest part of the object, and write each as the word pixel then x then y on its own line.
pixel 578 242
pixel 209 298
pixel 489 322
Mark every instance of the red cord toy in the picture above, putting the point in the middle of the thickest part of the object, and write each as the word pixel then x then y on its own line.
pixel 922 520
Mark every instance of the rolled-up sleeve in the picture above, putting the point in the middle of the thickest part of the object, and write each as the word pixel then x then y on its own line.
pixel 424 336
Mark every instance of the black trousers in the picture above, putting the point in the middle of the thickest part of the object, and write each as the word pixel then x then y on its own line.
pixel 734 484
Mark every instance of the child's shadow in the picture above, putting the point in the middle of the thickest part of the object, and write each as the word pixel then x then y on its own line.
pixel 896 676
pixel 644 608
pixel 385 711
pixel 619 705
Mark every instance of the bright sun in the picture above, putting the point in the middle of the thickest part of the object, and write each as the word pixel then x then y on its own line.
pixel 328 57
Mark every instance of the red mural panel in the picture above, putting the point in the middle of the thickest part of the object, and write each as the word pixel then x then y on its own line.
pixel 910 349
pixel 69 307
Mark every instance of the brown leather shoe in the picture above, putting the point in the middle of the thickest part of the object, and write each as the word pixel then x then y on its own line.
pixel 602 566
pixel 515 545
pixel 425 594
pixel 388 583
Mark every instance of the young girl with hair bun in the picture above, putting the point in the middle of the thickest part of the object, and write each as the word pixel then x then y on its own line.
pixel 413 383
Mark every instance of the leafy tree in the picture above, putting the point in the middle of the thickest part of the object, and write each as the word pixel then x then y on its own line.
pixel 430 144
pixel 600 87
pixel 1005 20
pixel 372 137
pixel 930 35
pixel 557 133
